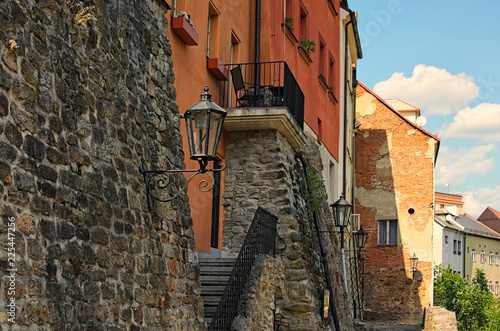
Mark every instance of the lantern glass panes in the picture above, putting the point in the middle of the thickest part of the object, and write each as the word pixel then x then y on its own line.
pixel 360 238
pixel 204 122
pixel 341 212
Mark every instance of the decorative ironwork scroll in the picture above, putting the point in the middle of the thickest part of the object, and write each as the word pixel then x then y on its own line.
pixel 157 182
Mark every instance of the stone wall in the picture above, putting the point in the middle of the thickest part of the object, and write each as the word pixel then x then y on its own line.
pixel 258 308
pixel 440 319
pixel 262 170
pixel 80 104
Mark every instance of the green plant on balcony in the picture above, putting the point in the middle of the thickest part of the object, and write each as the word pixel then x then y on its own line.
pixel 308 45
pixel 289 22
pixel 186 16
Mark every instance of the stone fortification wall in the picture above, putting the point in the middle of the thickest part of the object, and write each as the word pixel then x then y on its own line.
pixel 440 319
pixel 86 92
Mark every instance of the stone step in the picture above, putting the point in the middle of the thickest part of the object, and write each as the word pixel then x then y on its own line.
pixel 214 274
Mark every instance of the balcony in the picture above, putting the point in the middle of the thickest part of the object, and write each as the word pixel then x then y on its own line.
pixel 263 85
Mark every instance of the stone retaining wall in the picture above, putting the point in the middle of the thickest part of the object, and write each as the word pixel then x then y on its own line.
pixel 262 170
pixel 440 319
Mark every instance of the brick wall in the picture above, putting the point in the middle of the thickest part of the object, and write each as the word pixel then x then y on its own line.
pixel 394 181
pixel 79 107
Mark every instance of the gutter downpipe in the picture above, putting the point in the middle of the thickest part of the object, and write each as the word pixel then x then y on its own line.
pixel 324 257
pixel 344 176
pixel 257 46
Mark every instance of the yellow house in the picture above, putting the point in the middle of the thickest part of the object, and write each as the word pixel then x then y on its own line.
pixel 482 246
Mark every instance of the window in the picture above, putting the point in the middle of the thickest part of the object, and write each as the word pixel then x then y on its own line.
pixel 497 259
pixel 322 58
pixel 459 247
pixel 331 72
pixel 388 232
pixel 497 287
pixel 445 239
pixel 213 32
pixel 320 130
pixel 454 247
pixel 473 255
pixel 303 22
pixel 441 206
pixel 490 286
pixel 491 258
pixel 483 257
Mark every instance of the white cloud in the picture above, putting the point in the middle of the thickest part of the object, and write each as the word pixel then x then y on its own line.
pixel 455 166
pixel 477 201
pixel 434 90
pixel 481 123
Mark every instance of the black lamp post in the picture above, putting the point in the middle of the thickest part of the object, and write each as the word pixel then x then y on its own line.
pixel 413 264
pixel 204 122
pixel 341 214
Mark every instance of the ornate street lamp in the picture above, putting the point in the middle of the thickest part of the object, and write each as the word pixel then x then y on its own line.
pixel 341 212
pixel 413 264
pixel 360 238
pixel 204 122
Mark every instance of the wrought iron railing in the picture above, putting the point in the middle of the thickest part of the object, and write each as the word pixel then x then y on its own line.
pixel 260 239
pixel 263 84
pixel 357 273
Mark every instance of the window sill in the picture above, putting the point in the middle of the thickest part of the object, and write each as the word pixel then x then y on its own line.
pixel 218 69
pixel 304 54
pixel 185 31
pixel 289 33
pixel 332 97
pixel 322 82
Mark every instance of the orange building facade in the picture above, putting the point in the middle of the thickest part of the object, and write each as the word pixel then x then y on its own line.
pixel 210 38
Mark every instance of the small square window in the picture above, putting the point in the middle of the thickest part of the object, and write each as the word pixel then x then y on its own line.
pixel 388 232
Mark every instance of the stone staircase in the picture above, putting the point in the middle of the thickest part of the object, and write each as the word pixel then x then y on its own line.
pixel 214 276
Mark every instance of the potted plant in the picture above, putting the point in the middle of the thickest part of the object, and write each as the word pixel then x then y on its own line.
pixel 308 45
pixel 289 22
pixel 186 17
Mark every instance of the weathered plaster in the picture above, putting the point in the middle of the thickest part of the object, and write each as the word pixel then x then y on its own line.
pixel 365 105
pixel 384 202
pixel 387 145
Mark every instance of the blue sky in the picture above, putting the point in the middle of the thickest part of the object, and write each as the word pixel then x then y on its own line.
pixel 444 58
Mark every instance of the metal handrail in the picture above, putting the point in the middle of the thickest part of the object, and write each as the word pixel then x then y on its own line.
pixel 260 239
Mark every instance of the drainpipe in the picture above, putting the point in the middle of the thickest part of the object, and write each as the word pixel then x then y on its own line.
pixel 257 46
pixel 324 257
pixel 344 179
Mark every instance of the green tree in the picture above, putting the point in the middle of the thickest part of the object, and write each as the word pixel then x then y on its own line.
pixel 470 301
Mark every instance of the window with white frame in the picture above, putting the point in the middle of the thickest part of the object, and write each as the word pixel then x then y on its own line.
pixel 483 257
pixel 459 247
pixel 388 232
pixel 497 287
pixel 490 286
pixel 497 259
pixel 473 255
pixel 491 258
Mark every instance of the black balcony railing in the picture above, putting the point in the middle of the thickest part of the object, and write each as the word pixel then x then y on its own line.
pixel 264 84
pixel 260 239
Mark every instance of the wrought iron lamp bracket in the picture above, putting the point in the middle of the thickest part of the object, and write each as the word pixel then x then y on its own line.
pixel 157 180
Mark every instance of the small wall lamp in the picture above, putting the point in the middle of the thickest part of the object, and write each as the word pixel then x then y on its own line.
pixel 204 122
pixel 413 264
